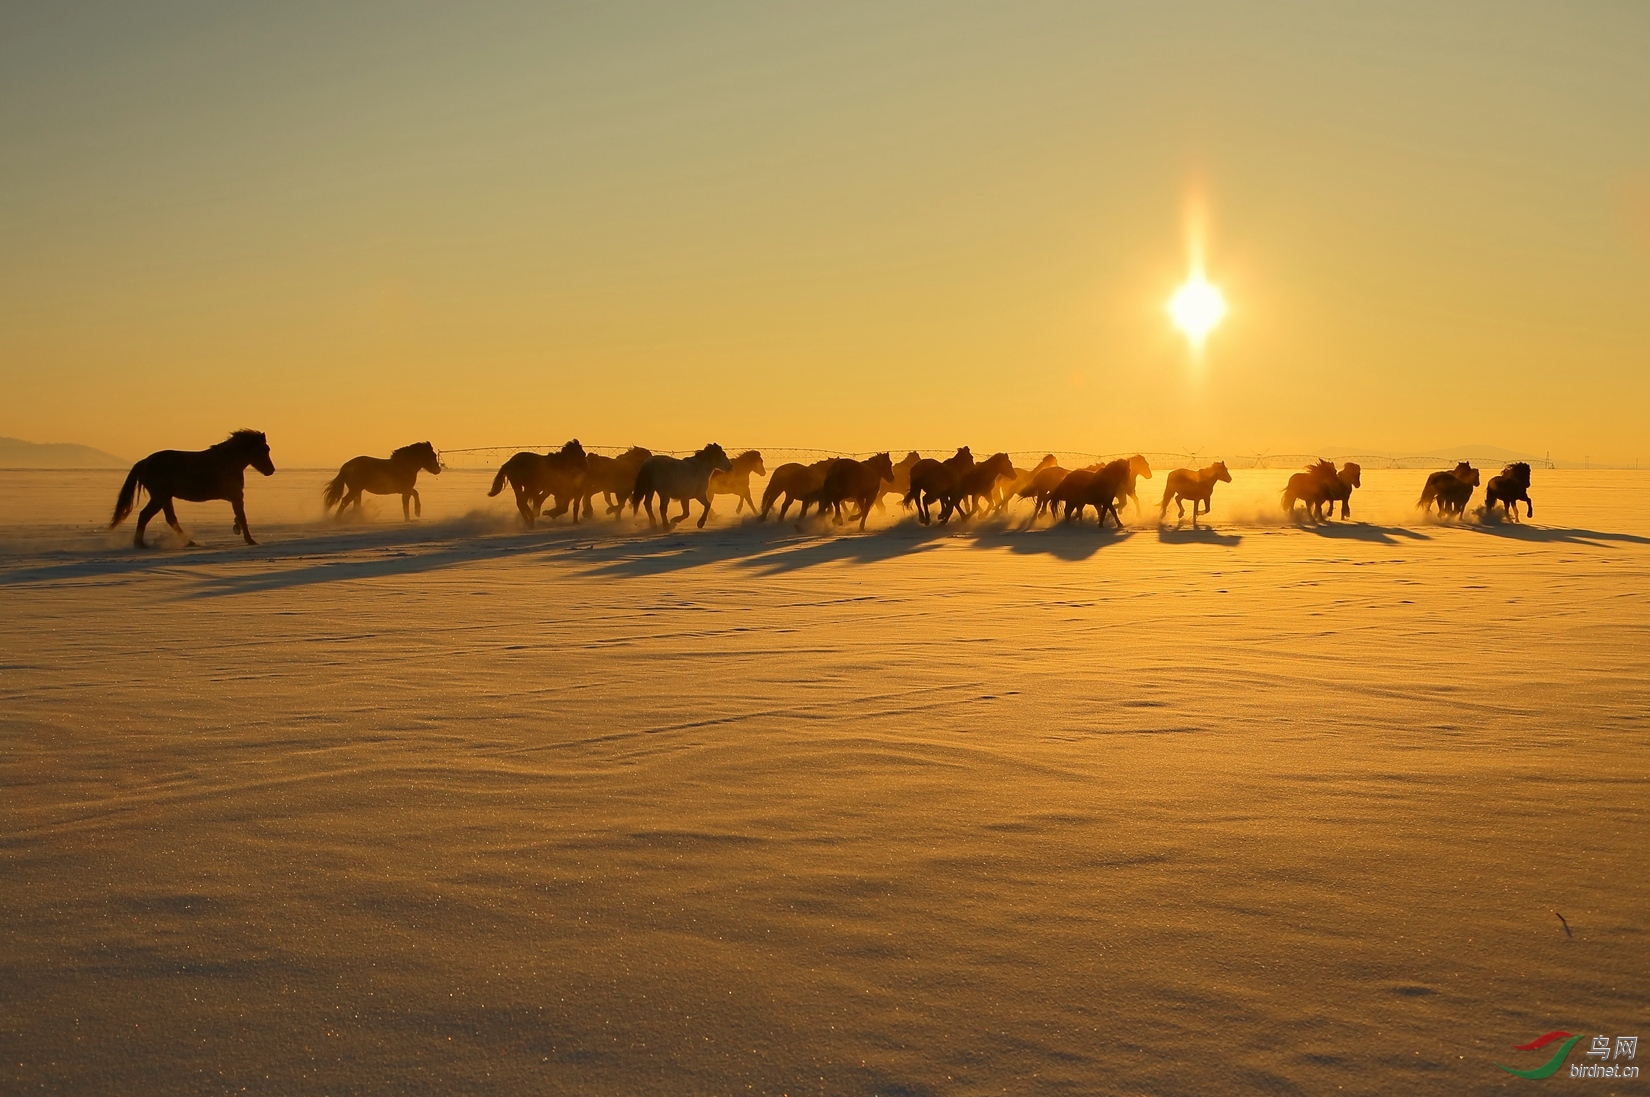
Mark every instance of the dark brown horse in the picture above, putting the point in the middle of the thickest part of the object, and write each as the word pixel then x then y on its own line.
pixel 1102 490
pixel 1199 487
pixel 397 475
pixel 936 482
pixel 1508 489
pixel 797 483
pixel 678 479
pixel 197 476
pixel 982 482
pixel 536 476
pixel 737 480
pixel 854 481
pixel 1450 489
pixel 1043 485
pixel 1016 488
pixel 1310 489
pixel 610 477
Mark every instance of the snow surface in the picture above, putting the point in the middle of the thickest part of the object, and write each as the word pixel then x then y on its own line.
pixel 454 807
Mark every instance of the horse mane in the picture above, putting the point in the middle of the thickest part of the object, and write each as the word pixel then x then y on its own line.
pixel 573 447
pixel 748 455
pixel 243 438
pixel 1518 469
pixel 408 450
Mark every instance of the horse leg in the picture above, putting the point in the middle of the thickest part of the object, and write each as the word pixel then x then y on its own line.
pixel 172 520
pixel 406 507
pixel 705 500
pixel 150 509
pixel 240 520
pixel 418 504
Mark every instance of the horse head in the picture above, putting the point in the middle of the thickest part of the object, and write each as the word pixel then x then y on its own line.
pixel 999 465
pixel 1139 466
pixel 963 455
pixel 254 446
pixel 717 457
pixel 575 455
pixel 421 454
pixel 1048 461
pixel 1518 470
pixel 1352 473
pixel 1470 475
pixel 750 461
pixel 1218 471
pixel 884 466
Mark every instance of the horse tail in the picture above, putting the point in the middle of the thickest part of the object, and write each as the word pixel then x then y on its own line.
pixel 643 488
pixel 1289 498
pixel 498 481
pixel 333 492
pixel 128 495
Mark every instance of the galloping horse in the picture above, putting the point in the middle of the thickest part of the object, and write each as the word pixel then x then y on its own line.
pixel 1103 489
pixel 610 476
pixel 682 479
pixel 980 482
pixel 936 482
pixel 1042 486
pixel 1309 488
pixel 901 483
pixel 854 481
pixel 1507 489
pixel 1016 488
pixel 1340 488
pixel 396 476
pixel 1451 489
pixel 534 476
pixel 796 482
pixel 1197 486
pixel 737 480
pixel 218 472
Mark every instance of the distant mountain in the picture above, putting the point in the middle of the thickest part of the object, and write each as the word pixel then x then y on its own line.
pixel 18 454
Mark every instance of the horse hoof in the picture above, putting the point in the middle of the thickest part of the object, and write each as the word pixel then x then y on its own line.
pixel 190 544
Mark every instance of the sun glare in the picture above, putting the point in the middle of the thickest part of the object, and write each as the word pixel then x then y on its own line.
pixel 1197 307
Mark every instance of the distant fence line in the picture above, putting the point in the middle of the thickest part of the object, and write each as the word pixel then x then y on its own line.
pixel 492 456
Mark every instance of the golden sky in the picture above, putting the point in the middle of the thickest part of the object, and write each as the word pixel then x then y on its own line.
pixel 849 225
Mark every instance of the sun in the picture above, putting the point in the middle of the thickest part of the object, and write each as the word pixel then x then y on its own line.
pixel 1197 308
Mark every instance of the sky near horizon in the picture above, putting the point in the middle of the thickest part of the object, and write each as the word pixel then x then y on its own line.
pixel 846 225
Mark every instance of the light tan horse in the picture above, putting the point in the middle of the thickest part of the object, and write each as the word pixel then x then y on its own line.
pixel 901 483
pixel 1199 487
pixel 397 475
pixel 678 479
pixel 737 480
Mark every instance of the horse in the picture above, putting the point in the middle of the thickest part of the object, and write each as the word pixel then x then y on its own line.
pixel 1340 488
pixel 678 478
pixel 217 472
pixel 1103 489
pixel 535 476
pixel 1197 486
pixel 980 482
pixel 856 481
pixel 737 481
pixel 1507 489
pixel 609 476
pixel 1042 487
pixel 901 482
pixel 1015 489
pixel 1450 489
pixel 936 482
pixel 1309 489
pixel 396 475
pixel 796 482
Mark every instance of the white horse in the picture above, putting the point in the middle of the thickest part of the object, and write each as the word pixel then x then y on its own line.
pixel 684 478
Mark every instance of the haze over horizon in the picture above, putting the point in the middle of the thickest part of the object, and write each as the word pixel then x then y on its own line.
pixel 865 225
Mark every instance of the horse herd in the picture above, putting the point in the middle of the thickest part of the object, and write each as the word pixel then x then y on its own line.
pixel 957 486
